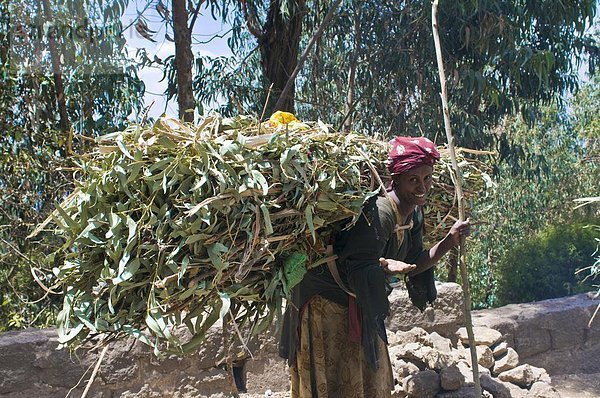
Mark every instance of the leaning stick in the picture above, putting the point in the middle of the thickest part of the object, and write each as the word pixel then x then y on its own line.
pixel 93 376
pixel 460 199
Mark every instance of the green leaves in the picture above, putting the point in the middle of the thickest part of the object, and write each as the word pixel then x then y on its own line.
pixel 179 219
pixel 166 236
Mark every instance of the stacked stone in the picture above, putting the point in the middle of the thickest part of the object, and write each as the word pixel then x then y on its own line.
pixel 427 365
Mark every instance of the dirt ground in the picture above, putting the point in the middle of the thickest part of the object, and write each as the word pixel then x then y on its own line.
pixel 577 386
pixel 273 395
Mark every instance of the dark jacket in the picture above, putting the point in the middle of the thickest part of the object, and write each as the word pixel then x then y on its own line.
pixel 358 249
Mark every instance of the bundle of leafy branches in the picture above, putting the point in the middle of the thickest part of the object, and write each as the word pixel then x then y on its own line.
pixel 176 224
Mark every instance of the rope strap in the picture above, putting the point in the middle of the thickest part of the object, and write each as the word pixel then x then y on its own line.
pixel 334 271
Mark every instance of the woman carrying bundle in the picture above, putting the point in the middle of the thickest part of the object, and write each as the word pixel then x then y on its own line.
pixel 333 334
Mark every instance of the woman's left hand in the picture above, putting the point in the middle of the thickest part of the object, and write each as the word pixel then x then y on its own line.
pixel 392 266
pixel 460 230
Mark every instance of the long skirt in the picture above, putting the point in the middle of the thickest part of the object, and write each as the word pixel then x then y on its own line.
pixel 328 364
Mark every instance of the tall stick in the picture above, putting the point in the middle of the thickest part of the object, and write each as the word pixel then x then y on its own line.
pixel 460 197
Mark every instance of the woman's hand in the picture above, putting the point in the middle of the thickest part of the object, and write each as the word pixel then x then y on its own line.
pixel 396 267
pixel 460 230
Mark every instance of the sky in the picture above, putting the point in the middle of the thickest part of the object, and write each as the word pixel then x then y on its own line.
pixel 204 29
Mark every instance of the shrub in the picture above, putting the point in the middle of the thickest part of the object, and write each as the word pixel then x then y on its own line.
pixel 545 265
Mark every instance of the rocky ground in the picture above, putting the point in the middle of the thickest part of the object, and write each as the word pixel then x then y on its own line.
pixel 552 338
pixel 583 384
pixel 422 360
pixel 568 386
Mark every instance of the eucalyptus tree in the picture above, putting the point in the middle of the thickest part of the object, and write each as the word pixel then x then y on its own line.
pixel 502 57
pixel 45 125
pixel 183 58
pixel 375 65
pixel 528 204
pixel 275 26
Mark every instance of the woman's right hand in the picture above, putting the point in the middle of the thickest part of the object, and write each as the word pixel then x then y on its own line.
pixel 396 267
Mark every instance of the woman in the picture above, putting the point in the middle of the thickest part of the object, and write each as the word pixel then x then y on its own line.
pixel 333 334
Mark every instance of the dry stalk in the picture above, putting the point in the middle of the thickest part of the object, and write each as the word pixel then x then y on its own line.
pixel 459 196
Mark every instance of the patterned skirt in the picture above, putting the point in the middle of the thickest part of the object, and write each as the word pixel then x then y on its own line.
pixel 328 364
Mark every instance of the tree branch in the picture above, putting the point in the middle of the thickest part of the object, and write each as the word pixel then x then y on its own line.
pixel 347 125
pixel 312 41
pixel 195 14
pixel 59 89
pixel 252 21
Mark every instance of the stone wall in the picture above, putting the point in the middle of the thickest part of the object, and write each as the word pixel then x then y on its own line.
pixel 30 365
pixel 552 334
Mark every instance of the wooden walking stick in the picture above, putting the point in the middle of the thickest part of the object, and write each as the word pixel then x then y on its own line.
pixel 460 199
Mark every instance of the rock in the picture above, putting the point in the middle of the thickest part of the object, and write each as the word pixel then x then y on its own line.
pixel 499 348
pixel 266 372
pixel 412 346
pixel 400 352
pixel 467 372
pixel 517 392
pixel 425 384
pixel 392 339
pixel 497 388
pixel 402 369
pixel 482 335
pixel 144 391
pixel 465 392
pixel 444 317
pixel 398 392
pixel 540 374
pixel 541 389
pixel 485 357
pixel 440 343
pixel 422 356
pixel 435 359
pixel 451 378
pixel 509 360
pixel 415 335
pixel 525 375
pixel 537 329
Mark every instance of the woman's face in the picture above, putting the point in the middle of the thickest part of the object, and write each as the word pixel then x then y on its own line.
pixel 412 186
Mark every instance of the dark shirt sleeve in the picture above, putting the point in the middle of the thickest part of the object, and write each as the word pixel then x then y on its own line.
pixel 421 287
pixel 415 247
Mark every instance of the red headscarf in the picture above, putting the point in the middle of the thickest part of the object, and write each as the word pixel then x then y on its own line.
pixel 410 152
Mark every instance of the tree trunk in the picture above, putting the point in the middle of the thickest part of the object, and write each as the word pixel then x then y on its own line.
pixel 183 60
pixel 65 125
pixel 279 47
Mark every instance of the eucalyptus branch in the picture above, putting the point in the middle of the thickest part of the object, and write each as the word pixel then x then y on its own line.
pixel 251 20
pixel 140 13
pixel 318 33
pixel 195 15
pixel 94 372
pixel 212 38
pixel 350 109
